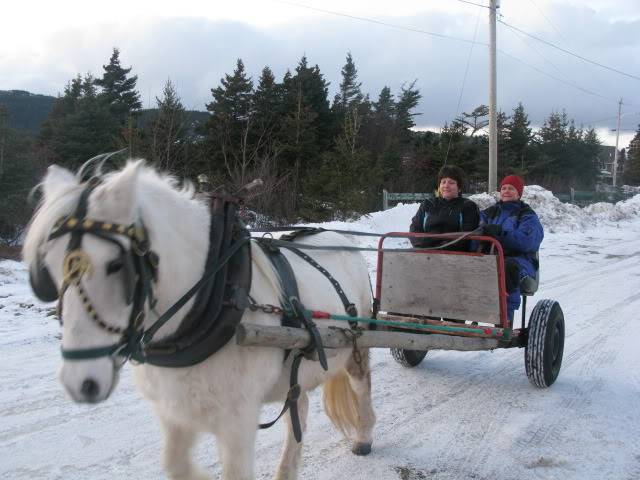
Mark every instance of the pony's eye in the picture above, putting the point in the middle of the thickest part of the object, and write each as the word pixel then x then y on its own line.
pixel 114 266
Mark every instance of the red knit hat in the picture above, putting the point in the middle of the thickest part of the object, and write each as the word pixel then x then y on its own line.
pixel 515 181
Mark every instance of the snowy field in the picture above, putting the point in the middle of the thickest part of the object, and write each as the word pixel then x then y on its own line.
pixel 458 415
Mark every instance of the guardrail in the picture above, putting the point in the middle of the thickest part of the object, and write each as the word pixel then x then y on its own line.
pixel 577 197
pixel 587 197
pixel 402 197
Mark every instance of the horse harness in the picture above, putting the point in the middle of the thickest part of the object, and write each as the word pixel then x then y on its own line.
pixel 222 293
pixel 209 324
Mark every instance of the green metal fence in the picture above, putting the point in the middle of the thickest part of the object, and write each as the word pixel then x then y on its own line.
pixel 576 197
pixel 587 197
pixel 402 197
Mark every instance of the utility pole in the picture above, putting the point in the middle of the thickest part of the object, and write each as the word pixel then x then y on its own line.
pixel 493 118
pixel 615 154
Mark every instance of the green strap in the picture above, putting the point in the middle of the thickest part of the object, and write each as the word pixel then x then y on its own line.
pixel 91 353
pixel 418 326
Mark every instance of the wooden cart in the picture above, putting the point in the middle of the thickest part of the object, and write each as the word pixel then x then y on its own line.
pixel 463 294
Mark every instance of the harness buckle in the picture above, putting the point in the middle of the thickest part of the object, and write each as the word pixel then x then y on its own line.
pixel 294 393
pixel 267 242
pixel 140 247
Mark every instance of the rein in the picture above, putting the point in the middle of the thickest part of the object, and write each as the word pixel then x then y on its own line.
pixel 286 241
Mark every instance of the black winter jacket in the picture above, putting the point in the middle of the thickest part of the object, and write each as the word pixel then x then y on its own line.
pixel 444 216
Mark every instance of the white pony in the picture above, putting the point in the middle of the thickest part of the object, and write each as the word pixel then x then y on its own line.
pixel 223 394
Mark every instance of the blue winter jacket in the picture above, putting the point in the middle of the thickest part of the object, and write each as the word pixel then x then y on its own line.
pixel 522 232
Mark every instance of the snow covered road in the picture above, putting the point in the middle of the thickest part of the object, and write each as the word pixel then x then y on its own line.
pixel 458 415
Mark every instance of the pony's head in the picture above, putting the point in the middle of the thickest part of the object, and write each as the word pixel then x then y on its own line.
pixel 88 264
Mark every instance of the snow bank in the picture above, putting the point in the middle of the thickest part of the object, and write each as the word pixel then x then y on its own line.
pixel 554 215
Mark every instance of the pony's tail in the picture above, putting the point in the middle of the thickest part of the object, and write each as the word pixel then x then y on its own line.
pixel 341 403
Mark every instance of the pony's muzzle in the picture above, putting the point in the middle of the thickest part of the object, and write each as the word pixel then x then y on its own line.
pixel 89 381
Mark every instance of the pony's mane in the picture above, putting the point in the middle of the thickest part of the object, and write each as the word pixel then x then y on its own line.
pixel 64 201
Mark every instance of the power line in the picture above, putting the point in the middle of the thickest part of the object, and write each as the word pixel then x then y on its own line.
pixel 519 37
pixel 464 81
pixel 566 79
pixel 584 90
pixel 450 37
pixel 471 3
pixel 548 21
pixel 594 122
pixel 559 33
pixel 385 24
pixel 620 72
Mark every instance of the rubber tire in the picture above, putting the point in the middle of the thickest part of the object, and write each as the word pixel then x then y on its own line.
pixel 545 345
pixel 408 358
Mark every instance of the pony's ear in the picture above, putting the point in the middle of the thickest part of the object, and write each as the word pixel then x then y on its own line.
pixel 56 180
pixel 118 198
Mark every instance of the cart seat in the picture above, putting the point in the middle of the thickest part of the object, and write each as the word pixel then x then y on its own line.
pixel 452 285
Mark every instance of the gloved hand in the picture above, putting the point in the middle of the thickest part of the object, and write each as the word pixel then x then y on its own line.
pixel 492 230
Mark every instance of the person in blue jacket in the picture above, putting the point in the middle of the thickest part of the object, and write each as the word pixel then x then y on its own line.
pixel 518 229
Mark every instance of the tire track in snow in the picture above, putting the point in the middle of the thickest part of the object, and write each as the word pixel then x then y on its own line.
pixel 588 358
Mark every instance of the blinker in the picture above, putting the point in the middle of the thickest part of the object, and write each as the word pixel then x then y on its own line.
pixel 41 282
pixel 124 263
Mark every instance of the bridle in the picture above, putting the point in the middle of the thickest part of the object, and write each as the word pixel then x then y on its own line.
pixel 218 306
pixel 139 265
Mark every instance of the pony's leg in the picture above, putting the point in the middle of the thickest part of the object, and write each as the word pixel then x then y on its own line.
pixel 177 453
pixel 236 444
pixel 290 458
pixel 360 380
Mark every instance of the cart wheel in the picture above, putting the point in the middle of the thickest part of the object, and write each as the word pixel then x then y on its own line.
pixel 543 353
pixel 408 358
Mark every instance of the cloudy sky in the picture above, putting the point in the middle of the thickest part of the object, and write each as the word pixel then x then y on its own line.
pixel 44 44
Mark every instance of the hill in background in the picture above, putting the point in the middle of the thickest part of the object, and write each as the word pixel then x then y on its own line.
pixel 27 111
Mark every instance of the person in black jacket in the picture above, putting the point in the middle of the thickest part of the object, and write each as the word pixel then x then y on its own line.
pixel 448 212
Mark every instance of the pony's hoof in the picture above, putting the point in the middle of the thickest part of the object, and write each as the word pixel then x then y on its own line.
pixel 361 448
pixel 194 474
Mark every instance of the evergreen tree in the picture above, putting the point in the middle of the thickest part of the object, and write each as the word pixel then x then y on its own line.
pixel 80 125
pixel 552 141
pixel 586 166
pixel 267 101
pixel 632 169
pixel 229 125
pixel 4 132
pixel 118 90
pixel 308 89
pixel 350 92
pixel 451 148
pixel 19 172
pixel 308 124
pixel 379 138
pixel 518 140
pixel 407 101
pixel 384 108
pixel 64 105
pixel 168 131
